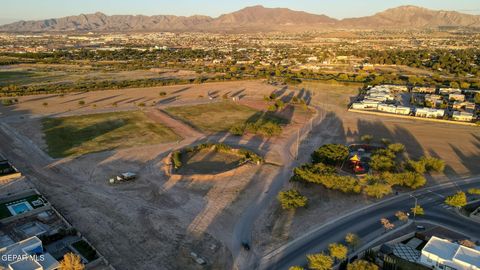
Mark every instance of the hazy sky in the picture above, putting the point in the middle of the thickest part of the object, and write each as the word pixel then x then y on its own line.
pixel 42 9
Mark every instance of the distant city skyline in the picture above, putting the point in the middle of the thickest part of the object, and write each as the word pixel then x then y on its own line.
pixel 33 9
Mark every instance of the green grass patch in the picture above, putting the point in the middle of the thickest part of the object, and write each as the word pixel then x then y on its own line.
pixel 78 135
pixel 225 116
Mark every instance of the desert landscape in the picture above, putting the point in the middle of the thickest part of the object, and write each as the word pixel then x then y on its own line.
pixel 200 212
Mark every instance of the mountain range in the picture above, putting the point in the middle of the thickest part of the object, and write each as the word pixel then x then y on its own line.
pixel 251 19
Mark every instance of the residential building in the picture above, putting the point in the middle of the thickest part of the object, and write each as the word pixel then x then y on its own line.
pixel 448 91
pixel 387 108
pixel 456 97
pixel 433 100
pixel 426 90
pixel 442 254
pixel 429 113
pixel 27 254
pixel 403 110
pixel 462 116
pixel 457 105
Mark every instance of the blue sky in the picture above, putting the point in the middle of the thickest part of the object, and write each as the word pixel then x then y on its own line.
pixel 41 9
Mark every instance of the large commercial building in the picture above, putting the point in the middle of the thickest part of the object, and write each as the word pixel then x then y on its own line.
pixel 442 254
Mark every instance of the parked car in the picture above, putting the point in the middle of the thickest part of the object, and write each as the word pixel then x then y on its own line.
pixel 420 227
pixel 128 176
pixel 246 246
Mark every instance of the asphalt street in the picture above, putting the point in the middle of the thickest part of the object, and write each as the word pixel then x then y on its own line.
pixel 366 223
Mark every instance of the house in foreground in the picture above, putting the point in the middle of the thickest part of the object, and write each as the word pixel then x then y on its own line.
pixel 429 113
pixel 442 254
pixel 462 116
pixel 27 254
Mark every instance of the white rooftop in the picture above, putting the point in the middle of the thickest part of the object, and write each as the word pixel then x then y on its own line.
pixel 441 247
pixel 449 251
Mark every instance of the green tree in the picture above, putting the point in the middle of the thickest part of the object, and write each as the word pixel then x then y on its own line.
pixel 331 154
pixel 296 267
pixel 292 199
pixel 362 265
pixel 458 200
pixel 352 240
pixel 418 210
pixel 319 261
pixel 338 251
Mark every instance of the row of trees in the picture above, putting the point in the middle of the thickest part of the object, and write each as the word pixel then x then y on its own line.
pixel 337 252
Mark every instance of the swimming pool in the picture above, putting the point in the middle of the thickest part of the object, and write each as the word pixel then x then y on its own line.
pixel 19 208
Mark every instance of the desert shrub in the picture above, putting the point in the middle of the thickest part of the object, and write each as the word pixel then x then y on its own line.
pixel 425 164
pixel 362 265
pixel 396 148
pixel 9 101
pixel 331 154
pixel 474 191
pixel 81 102
pixel 415 166
pixel 237 130
pixel 407 179
pixel 366 138
pixel 162 93
pixel 459 199
pixel 309 174
pixel 382 163
pixel 264 127
pixel 279 104
pixel 433 164
pixel 292 199
pixel 272 108
pixel 377 190
pixel 177 159
pixel 141 104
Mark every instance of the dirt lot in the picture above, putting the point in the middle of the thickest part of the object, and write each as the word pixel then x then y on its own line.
pixel 158 220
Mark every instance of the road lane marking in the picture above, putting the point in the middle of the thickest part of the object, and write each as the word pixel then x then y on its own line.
pixel 439 195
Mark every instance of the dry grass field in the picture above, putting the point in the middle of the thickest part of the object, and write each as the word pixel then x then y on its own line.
pixel 78 135
pixel 220 116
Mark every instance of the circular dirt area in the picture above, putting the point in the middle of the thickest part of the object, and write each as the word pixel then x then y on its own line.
pixel 209 158
pixel 208 161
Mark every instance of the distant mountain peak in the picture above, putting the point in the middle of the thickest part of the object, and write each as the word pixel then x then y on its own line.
pixel 250 19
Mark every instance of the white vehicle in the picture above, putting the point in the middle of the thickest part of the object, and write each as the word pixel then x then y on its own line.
pixel 128 176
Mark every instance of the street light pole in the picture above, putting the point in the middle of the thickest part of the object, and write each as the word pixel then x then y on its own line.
pixel 415 209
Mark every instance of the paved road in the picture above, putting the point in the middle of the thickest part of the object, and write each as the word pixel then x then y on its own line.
pixel 313 134
pixel 365 223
